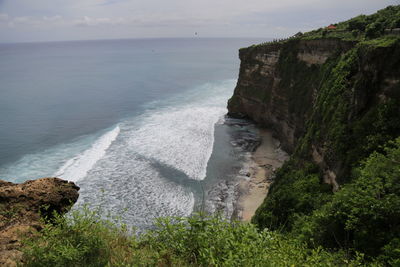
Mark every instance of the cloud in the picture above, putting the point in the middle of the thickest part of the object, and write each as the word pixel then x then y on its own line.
pixel 3 17
pixel 155 20
pixel 111 2
pixel 89 21
pixel 23 20
pixel 30 21
pixel 52 18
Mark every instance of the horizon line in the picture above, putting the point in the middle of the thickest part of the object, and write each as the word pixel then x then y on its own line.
pixel 133 38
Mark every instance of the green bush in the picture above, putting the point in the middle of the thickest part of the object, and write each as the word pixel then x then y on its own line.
pixel 213 241
pixel 374 30
pixel 84 239
pixel 295 192
pixel 365 214
pixel 80 239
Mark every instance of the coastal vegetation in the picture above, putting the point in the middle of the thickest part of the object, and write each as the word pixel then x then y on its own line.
pixel 385 22
pixel 85 239
pixel 363 216
pixel 362 26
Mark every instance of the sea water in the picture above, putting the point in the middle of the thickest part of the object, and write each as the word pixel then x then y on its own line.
pixel 139 125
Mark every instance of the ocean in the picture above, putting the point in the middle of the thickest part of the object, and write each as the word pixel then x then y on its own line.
pixel 138 124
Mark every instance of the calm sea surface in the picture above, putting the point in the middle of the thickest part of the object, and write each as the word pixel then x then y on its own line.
pixel 137 124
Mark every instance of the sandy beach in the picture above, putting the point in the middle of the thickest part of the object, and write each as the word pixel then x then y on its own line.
pixel 265 160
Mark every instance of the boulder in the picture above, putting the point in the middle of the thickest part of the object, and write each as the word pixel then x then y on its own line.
pixel 23 208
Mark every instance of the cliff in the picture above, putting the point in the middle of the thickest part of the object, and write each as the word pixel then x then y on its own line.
pixel 292 87
pixel 278 83
pixel 332 98
pixel 23 208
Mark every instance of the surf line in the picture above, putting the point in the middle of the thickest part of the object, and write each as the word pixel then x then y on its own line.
pixel 77 167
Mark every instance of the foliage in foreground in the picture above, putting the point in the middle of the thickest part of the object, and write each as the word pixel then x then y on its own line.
pixel 83 239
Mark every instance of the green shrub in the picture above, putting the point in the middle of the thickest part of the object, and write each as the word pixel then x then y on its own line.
pixel 213 241
pixel 365 214
pixel 80 239
pixel 295 192
pixel 358 23
pixel 84 239
pixel 374 30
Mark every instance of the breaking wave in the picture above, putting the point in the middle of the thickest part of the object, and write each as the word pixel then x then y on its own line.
pixel 77 167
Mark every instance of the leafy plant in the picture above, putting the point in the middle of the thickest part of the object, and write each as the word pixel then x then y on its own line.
pixel 84 239
pixel 365 214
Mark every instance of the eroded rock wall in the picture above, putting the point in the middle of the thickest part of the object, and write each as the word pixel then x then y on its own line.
pixel 275 76
pixel 22 208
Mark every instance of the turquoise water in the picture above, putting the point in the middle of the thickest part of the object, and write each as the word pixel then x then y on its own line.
pixel 138 124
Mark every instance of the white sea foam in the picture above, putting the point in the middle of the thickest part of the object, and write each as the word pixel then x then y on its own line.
pixel 177 135
pixel 77 167
pixel 182 138
pixel 46 162
pixel 126 185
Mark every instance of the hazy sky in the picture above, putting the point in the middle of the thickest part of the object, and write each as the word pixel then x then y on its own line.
pixel 45 20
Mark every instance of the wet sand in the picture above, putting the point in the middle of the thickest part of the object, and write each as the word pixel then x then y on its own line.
pixel 265 160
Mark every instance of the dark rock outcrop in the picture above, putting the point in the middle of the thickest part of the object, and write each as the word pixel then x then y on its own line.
pixel 22 208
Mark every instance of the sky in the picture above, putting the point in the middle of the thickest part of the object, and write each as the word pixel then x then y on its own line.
pixel 57 20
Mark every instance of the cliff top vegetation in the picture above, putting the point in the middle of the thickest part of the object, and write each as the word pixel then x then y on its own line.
pixel 385 24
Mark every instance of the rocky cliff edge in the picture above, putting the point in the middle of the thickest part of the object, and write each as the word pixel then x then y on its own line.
pixel 23 207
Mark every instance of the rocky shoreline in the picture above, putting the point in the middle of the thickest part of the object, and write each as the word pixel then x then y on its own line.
pixel 222 193
pixel 238 195
pixel 265 160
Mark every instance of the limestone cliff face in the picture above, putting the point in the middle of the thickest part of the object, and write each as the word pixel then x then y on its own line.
pixel 22 207
pixel 267 84
pixel 290 87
